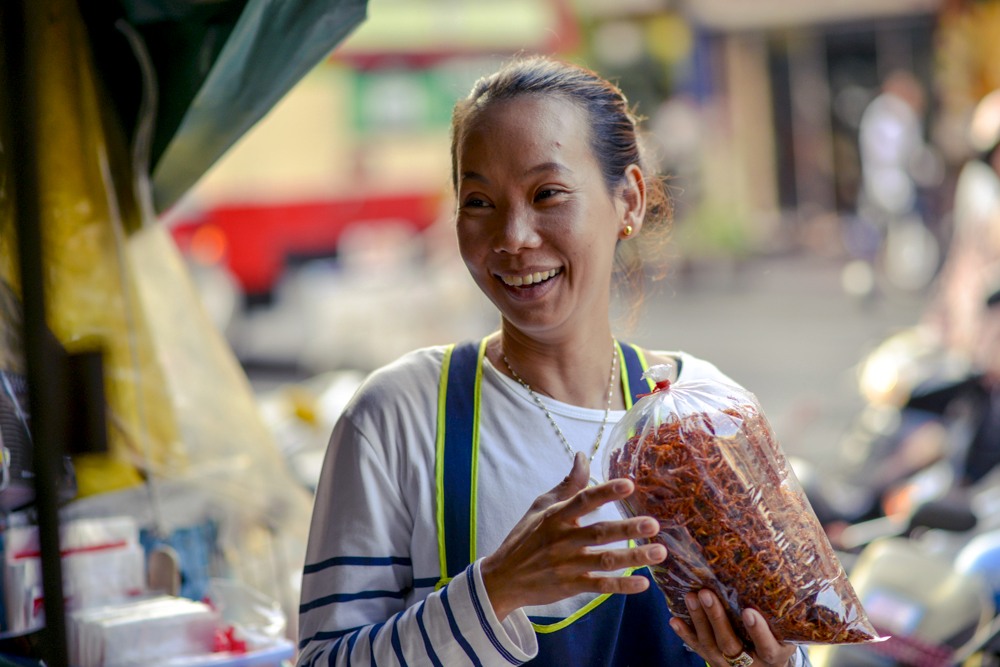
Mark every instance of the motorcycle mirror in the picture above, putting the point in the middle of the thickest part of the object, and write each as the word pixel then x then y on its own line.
pixel 944 514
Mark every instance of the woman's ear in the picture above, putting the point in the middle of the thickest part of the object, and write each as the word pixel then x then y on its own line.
pixel 634 198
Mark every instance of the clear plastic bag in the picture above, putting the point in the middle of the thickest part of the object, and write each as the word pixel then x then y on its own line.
pixel 732 515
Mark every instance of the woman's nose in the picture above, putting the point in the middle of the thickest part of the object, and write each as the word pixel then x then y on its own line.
pixel 515 229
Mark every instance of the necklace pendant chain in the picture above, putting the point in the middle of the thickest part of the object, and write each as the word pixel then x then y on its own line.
pixel 540 403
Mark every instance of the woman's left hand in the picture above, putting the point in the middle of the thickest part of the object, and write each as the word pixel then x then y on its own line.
pixel 713 638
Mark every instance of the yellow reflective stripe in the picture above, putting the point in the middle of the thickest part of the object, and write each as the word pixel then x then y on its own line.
pixel 579 613
pixel 475 451
pixel 626 386
pixel 439 464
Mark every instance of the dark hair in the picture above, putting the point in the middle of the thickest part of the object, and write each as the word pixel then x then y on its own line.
pixel 614 139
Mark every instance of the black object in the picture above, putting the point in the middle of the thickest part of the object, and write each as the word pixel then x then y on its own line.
pixel 22 107
pixel 952 514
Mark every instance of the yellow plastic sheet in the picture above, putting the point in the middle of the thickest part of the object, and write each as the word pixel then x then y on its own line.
pixel 85 217
pixel 187 443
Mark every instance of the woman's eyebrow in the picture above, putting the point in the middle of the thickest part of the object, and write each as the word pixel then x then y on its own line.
pixel 547 166
pixel 531 171
pixel 474 176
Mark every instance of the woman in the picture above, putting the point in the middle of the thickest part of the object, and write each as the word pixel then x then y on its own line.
pixel 430 543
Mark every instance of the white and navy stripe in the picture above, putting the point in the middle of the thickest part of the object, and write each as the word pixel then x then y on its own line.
pixel 449 627
pixel 372 563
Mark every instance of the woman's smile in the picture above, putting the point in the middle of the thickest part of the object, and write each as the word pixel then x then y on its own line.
pixel 523 287
pixel 527 280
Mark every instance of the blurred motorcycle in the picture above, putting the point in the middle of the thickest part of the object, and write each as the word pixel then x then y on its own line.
pixel 935 593
pixel 913 431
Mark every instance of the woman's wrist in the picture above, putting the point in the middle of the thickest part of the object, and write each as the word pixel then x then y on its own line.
pixel 493 585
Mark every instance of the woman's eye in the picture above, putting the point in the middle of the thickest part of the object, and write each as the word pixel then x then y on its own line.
pixel 546 193
pixel 475 202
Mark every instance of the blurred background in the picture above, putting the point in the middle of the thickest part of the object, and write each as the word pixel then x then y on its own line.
pixel 836 247
pixel 322 241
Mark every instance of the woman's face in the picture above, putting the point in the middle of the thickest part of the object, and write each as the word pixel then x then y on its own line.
pixel 536 225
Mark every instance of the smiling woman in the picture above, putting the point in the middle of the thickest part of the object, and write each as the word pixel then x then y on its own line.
pixel 532 203
pixel 446 530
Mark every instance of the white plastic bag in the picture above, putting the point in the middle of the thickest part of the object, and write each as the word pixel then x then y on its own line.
pixel 732 515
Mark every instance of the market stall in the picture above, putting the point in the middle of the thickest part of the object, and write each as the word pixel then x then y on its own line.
pixel 137 476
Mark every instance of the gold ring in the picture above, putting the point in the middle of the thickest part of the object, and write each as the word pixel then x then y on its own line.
pixel 742 660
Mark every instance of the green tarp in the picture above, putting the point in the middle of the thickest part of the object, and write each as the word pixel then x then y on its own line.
pixel 220 66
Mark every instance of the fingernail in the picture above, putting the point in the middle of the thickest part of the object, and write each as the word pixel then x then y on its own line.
pixel 620 486
pixel 649 526
pixel 675 625
pixel 691 600
pixel 706 598
pixel 657 553
pixel 749 618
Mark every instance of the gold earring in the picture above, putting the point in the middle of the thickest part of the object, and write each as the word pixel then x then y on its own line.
pixel 627 231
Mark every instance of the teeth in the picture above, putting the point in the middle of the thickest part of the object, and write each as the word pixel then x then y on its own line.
pixel 530 279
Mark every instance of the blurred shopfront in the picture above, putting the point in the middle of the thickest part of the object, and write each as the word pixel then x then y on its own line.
pixel 787 85
pixel 362 141
pixel 753 111
pixel 777 90
pixel 756 111
pixel 330 220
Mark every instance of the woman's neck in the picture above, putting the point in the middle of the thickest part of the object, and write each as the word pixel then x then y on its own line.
pixel 572 371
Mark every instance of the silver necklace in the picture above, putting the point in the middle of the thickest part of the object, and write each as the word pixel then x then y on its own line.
pixel 541 404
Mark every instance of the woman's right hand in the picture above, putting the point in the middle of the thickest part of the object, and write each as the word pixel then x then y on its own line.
pixel 549 556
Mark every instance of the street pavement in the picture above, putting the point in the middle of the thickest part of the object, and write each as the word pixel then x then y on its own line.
pixel 785 329
pixel 781 326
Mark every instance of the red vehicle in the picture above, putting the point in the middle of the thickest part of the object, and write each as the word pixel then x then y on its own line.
pixel 362 140
pixel 257 240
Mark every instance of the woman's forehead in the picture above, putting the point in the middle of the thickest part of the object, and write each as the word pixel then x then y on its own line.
pixel 526 127
pixel 516 109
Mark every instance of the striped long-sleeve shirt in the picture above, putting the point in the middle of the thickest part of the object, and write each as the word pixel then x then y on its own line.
pixel 372 564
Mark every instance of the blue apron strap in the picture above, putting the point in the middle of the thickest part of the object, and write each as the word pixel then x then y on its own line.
pixel 457 446
pixel 633 364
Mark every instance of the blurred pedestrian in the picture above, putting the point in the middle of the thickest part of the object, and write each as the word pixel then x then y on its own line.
pixel 442 534
pixel 973 254
pixel 890 139
pixel 678 127
pixel 890 234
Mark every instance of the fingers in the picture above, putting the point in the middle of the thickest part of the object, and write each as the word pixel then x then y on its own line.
pixel 581 548
pixel 713 614
pixel 588 499
pixel 549 556
pixel 579 475
pixel 610 560
pixel 711 635
pixel 578 539
pixel 613 585
pixel 699 635
pixel 573 483
pixel 607 532
pixel 572 498
pixel 768 649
